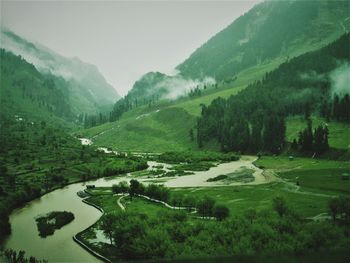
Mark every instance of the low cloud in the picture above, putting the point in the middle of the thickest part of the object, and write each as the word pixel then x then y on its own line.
pixel 340 79
pixel 313 76
pixel 177 86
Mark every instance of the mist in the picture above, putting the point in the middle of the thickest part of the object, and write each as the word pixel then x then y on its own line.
pixel 177 86
pixel 340 79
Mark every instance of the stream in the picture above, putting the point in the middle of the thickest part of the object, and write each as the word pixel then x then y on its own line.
pixel 60 247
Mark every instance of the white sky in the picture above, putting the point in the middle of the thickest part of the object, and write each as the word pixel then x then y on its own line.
pixel 124 39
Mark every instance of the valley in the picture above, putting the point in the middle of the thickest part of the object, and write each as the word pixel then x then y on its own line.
pixel 242 154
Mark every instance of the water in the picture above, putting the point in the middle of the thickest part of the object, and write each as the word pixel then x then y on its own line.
pixel 60 247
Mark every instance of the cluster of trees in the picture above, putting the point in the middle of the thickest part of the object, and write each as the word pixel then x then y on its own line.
pixel 338 109
pixel 196 92
pixel 158 192
pixel 339 207
pixel 310 140
pixel 174 234
pixel 253 120
pixel 232 123
pixel 47 224
pixel 89 121
pixel 128 103
pixel 205 207
pixel 19 257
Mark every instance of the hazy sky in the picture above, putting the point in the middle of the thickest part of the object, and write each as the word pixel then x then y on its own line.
pixel 124 39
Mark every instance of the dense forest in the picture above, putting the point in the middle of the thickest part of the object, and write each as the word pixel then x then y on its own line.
pixel 251 122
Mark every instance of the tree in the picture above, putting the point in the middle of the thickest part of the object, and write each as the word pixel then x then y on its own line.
pixel 189 201
pixel 121 187
pixel 205 206
pixel 221 212
pixel 280 205
pixel 134 188
pixel 107 225
pixel 191 135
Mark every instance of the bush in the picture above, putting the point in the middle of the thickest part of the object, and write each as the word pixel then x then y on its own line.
pixel 221 212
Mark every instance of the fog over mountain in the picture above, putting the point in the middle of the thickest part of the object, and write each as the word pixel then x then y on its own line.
pixel 124 39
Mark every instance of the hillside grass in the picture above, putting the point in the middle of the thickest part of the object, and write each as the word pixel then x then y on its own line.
pixel 156 131
pixel 243 79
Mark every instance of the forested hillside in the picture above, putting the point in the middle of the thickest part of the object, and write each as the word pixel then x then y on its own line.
pixel 89 91
pixel 26 92
pixel 301 86
pixel 267 35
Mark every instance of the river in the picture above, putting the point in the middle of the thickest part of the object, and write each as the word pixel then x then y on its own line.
pixel 60 247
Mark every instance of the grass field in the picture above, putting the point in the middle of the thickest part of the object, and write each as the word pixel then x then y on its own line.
pixel 239 199
pixel 312 174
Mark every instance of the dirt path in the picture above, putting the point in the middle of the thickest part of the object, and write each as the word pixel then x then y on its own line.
pixel 122 207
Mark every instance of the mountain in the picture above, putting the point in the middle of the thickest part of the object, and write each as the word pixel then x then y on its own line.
pixel 311 84
pixel 268 31
pixel 89 91
pixel 28 94
pixel 259 40
pixel 303 84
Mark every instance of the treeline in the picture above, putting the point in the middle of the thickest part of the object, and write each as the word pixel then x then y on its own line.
pixel 237 129
pixel 128 103
pixel 196 157
pixel 254 119
pixel 205 207
pixel 312 140
pixel 92 120
pixel 338 109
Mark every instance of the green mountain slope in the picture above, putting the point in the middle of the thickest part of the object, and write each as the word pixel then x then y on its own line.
pixel 255 43
pixel 270 30
pixel 26 92
pixel 89 91
pixel 144 128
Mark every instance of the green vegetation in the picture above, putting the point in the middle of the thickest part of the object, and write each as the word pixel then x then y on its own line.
pixel 311 174
pixel 242 175
pixel 195 157
pixel 151 231
pixel 13 256
pixel 298 27
pixel 339 133
pixel 36 158
pixel 217 178
pixel 47 224
pixel 249 123
pixel 84 88
pixel 201 166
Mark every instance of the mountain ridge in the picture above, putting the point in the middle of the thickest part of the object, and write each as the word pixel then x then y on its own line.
pixel 86 83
